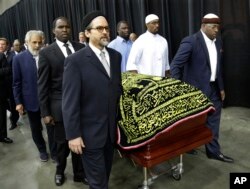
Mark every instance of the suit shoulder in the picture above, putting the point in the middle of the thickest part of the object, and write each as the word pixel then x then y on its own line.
pixel 190 39
pixel 77 45
pixel 20 55
pixel 80 54
pixel 48 48
pixel 111 50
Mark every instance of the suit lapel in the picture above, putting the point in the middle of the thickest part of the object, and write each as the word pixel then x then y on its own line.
pixel 204 47
pixel 76 46
pixel 218 48
pixel 112 67
pixel 57 51
pixel 93 59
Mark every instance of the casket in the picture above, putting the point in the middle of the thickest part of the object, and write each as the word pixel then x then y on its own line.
pixel 160 119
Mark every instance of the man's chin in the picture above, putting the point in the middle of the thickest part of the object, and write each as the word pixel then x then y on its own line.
pixel 105 43
pixel 34 53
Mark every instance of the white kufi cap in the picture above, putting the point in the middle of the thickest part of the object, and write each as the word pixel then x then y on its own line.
pixel 150 18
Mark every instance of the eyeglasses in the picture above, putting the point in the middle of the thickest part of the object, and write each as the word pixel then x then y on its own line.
pixel 101 28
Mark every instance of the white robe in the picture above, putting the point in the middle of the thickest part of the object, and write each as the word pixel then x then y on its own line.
pixel 149 55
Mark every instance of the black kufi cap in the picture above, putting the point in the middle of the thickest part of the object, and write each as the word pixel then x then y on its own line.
pixel 89 17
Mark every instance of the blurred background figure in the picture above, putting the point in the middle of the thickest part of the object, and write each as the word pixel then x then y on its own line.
pixel 16 47
pixel 122 43
pixel 132 37
pixel 82 38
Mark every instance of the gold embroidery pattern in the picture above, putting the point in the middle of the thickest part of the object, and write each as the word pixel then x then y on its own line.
pixel 149 104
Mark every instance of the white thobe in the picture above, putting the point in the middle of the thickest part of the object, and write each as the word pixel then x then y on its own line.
pixel 149 55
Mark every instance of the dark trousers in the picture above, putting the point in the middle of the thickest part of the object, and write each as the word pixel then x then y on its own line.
pixel 36 131
pixel 3 121
pixel 51 140
pixel 97 165
pixel 63 152
pixel 14 115
pixel 213 120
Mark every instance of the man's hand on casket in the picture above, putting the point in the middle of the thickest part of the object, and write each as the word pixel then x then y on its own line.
pixel 76 145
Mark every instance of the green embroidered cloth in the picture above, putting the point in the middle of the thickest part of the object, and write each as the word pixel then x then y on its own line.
pixel 149 105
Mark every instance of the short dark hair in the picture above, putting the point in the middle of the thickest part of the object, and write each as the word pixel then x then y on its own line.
pixel 60 18
pixel 121 22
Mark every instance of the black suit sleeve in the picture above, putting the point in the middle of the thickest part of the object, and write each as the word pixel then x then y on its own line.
pixel 43 84
pixel 71 98
pixel 5 69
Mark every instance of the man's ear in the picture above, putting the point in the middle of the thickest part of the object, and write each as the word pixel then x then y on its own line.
pixel 53 31
pixel 87 33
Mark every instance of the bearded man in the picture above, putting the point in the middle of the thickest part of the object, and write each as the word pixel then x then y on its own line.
pixel 26 93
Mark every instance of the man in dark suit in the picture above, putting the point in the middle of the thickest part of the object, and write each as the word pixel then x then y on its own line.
pixel 5 71
pixel 50 74
pixel 11 106
pixel 91 91
pixel 198 62
pixel 25 91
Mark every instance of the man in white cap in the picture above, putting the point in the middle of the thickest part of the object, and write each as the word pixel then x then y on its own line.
pixel 198 62
pixel 149 53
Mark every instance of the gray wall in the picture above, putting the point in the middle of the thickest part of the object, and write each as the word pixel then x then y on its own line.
pixel 5 4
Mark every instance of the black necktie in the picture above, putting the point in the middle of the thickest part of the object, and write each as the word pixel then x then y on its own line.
pixel 67 49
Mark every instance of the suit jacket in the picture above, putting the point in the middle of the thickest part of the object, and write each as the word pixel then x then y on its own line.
pixel 25 81
pixel 9 79
pixel 10 55
pixel 5 72
pixel 90 97
pixel 50 75
pixel 192 65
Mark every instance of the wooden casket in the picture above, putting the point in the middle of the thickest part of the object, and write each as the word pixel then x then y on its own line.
pixel 160 118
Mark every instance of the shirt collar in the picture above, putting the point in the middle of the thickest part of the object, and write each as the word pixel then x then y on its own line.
pixel 207 40
pixel 151 34
pixel 96 50
pixel 61 44
pixel 120 39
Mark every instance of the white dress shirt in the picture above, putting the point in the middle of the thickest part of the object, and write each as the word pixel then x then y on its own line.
pixel 63 48
pixel 212 52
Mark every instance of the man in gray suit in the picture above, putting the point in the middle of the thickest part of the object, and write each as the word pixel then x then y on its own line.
pixel 91 91
pixel 50 74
